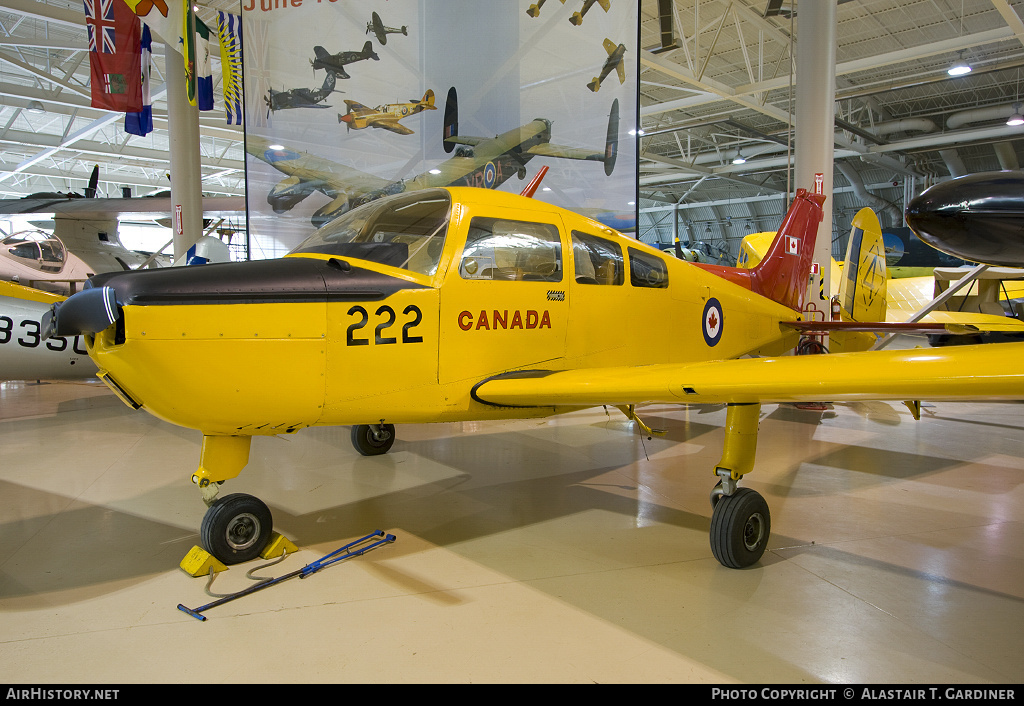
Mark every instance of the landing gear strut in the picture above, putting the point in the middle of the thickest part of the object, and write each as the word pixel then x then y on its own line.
pixel 236 527
pixel 740 522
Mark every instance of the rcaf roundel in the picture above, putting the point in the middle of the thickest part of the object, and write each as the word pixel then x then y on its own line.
pixel 712 325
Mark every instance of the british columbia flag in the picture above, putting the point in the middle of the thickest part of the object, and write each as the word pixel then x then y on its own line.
pixel 99 19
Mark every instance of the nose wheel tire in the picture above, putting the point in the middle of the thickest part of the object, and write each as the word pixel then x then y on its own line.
pixel 236 528
pixel 740 526
pixel 369 442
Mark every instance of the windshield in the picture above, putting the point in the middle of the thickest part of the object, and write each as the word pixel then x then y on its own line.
pixel 405 231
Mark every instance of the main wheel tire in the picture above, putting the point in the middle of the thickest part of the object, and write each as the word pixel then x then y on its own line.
pixel 740 526
pixel 236 528
pixel 369 445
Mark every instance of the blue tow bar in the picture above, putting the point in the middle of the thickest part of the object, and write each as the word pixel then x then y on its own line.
pixel 350 550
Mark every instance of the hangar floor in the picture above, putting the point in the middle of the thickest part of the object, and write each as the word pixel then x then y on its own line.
pixel 561 550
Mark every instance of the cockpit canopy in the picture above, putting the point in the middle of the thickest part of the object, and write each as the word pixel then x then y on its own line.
pixel 35 249
pixel 406 231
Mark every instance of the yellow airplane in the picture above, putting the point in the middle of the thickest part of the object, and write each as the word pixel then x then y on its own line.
pixel 867 294
pixel 577 17
pixel 477 161
pixel 385 116
pixel 455 304
pixel 613 62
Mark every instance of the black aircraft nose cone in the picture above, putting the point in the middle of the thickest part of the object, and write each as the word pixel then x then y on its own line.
pixel 978 217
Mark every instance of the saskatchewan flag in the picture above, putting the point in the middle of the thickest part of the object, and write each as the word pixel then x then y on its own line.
pixel 188 50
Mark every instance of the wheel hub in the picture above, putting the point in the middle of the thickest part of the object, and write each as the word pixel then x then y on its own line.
pixel 243 531
pixel 753 531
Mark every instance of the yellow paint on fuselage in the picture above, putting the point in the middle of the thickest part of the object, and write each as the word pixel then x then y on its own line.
pixel 415 356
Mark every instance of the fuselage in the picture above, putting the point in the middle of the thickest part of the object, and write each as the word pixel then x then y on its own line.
pixel 25 354
pixel 398 309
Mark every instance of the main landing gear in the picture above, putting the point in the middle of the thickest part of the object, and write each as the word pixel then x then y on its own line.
pixel 373 439
pixel 740 522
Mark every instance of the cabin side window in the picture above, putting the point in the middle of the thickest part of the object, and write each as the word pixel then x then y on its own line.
pixel 500 249
pixel 596 260
pixel 647 270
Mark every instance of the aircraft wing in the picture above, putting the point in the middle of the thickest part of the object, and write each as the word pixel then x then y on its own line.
pixel 158 205
pixel 393 126
pixel 546 149
pixel 338 178
pixel 465 140
pixel 358 108
pixel 986 371
pixel 906 296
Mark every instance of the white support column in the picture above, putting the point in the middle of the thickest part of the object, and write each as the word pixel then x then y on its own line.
pixel 186 177
pixel 815 119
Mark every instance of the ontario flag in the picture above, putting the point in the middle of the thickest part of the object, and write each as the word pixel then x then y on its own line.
pixel 114 55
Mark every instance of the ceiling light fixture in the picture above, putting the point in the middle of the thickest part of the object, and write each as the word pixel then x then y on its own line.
pixel 739 158
pixel 960 68
pixel 1016 118
pixel 35 107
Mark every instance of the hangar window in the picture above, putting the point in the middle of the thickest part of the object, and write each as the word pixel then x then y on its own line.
pixel 501 249
pixel 647 270
pixel 405 231
pixel 597 261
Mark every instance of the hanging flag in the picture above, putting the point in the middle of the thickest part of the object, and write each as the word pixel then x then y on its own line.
pixel 164 17
pixel 204 69
pixel 188 50
pixel 141 123
pixel 229 30
pixel 114 55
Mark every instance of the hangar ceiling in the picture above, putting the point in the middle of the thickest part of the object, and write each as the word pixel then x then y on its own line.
pixel 726 88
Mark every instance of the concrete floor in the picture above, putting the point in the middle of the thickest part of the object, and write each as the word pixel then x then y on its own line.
pixel 561 550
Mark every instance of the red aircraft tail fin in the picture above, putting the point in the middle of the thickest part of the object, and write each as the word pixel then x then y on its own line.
pixel 783 273
pixel 531 188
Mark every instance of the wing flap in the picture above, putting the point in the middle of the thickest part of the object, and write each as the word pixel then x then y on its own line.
pixel 980 372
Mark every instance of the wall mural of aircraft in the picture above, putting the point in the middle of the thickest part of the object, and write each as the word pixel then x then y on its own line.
pixel 301 97
pixel 614 62
pixel 577 17
pixel 381 32
pixel 385 116
pixel 336 62
pixel 476 304
pixel 478 161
